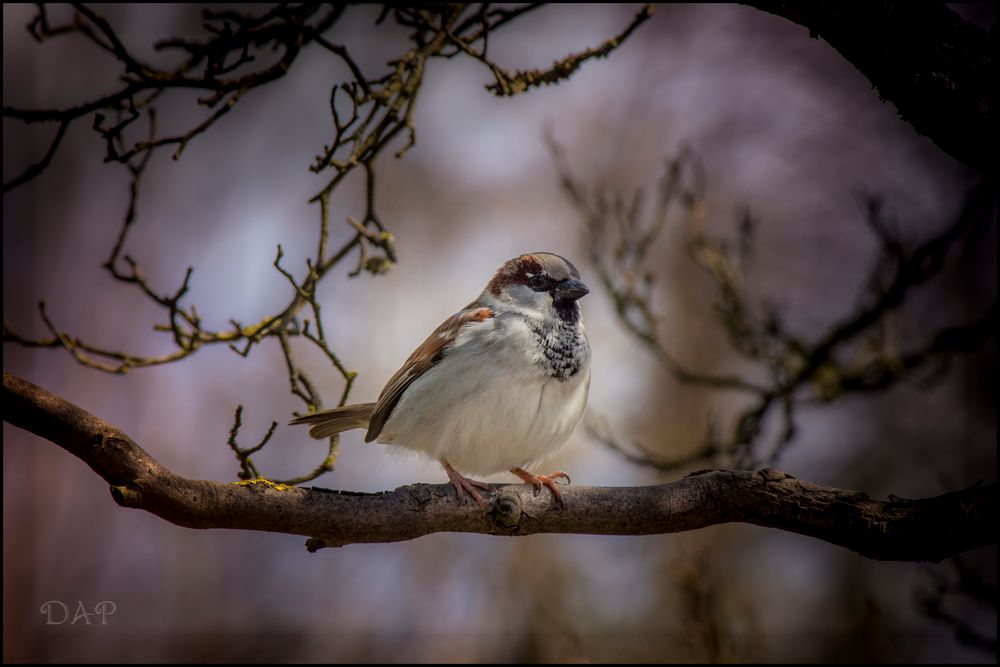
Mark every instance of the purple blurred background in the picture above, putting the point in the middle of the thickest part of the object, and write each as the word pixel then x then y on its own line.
pixel 785 128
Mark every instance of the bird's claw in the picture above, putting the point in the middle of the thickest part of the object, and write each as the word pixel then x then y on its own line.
pixel 537 481
pixel 464 485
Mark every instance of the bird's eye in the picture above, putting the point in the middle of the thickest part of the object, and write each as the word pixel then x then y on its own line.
pixel 537 282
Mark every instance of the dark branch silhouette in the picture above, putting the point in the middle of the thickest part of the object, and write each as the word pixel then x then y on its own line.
pixel 936 67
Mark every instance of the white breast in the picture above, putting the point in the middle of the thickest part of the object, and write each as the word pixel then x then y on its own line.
pixel 488 406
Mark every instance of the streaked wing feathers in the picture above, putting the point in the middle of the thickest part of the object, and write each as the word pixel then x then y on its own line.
pixel 423 358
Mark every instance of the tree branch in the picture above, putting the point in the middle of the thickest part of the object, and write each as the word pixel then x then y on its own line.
pixel 911 530
pixel 508 84
pixel 935 67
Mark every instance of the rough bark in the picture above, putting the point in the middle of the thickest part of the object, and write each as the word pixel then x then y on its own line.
pixel 910 530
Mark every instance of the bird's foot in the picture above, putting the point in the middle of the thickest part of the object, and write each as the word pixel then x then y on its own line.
pixel 548 480
pixel 466 485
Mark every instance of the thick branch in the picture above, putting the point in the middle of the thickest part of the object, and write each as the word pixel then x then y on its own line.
pixel 936 67
pixel 912 530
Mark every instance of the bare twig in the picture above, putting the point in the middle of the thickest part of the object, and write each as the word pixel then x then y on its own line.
pixel 619 238
pixel 247 469
pixel 508 84
pixel 236 58
pixel 286 27
pixel 41 165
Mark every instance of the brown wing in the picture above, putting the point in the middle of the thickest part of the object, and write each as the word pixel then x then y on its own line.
pixel 423 358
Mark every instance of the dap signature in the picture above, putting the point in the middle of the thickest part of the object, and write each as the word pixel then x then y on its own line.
pixel 58 613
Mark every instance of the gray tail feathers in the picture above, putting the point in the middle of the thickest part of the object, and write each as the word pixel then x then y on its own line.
pixel 332 422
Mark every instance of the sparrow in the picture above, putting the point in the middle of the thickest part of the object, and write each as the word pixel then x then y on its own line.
pixel 499 386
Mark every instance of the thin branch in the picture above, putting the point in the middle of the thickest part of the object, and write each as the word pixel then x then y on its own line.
pixel 508 84
pixel 882 372
pixel 920 266
pixel 285 26
pixel 247 468
pixel 619 237
pixel 41 165
pixel 622 271
pixel 641 455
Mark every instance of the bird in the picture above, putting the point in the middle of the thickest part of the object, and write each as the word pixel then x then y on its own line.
pixel 498 386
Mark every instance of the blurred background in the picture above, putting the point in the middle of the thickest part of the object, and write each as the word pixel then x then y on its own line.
pixel 784 127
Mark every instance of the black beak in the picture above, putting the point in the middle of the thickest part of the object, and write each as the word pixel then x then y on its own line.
pixel 570 289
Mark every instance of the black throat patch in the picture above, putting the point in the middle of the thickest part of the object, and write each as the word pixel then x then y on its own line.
pixel 567 311
pixel 563 346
